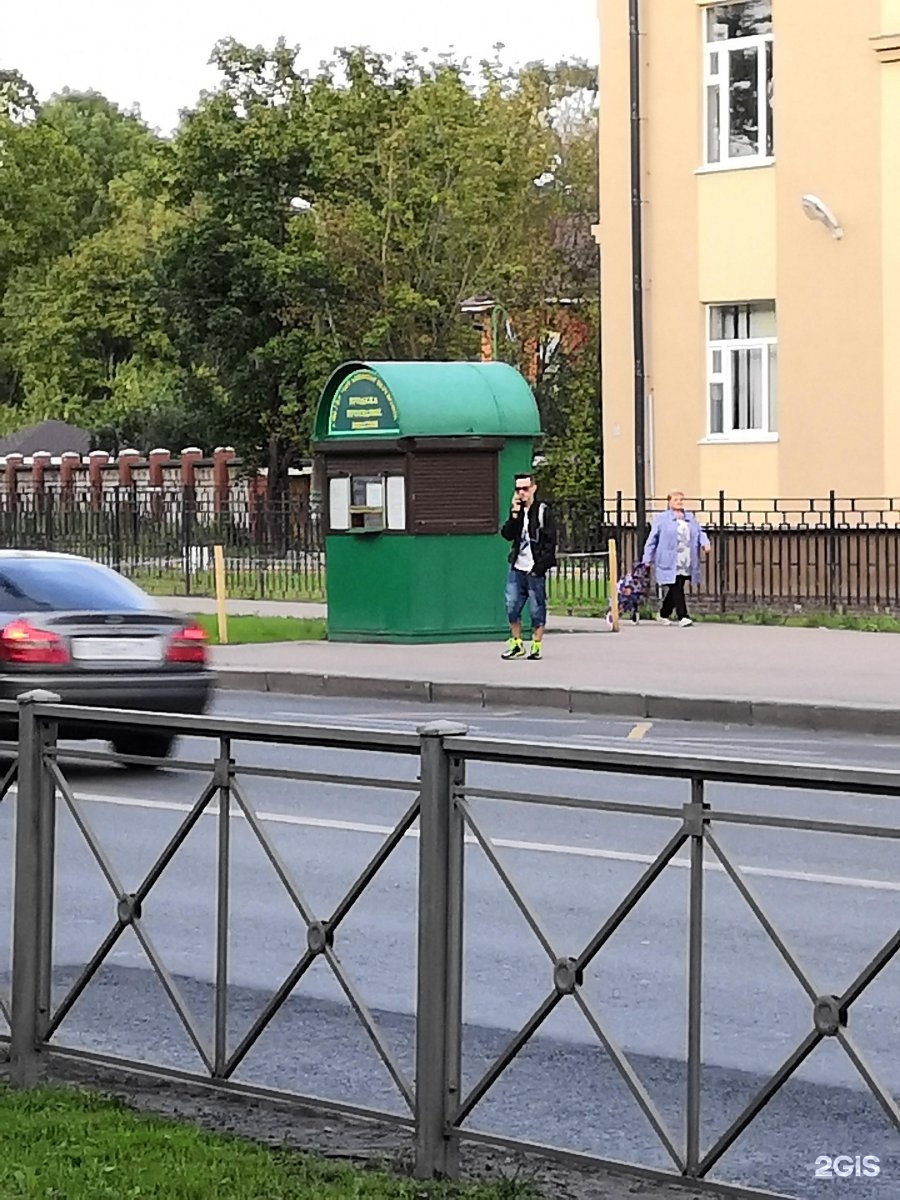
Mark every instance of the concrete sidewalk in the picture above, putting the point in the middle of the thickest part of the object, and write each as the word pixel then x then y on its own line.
pixel 767 675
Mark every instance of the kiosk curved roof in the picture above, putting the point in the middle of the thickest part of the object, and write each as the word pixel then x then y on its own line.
pixel 446 399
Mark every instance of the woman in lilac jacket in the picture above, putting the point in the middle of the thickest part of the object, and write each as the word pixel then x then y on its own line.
pixel 674 547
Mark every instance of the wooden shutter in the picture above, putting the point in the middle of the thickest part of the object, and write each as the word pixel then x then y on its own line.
pixel 454 493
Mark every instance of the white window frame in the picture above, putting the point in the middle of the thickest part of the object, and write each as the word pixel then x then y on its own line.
pixel 721 78
pixel 722 374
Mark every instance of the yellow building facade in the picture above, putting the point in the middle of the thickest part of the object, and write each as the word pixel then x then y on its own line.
pixel 770 183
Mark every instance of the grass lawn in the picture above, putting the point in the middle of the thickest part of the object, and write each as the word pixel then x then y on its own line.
pixel 862 622
pixel 70 1145
pixel 245 631
pixel 244 584
pixel 577 595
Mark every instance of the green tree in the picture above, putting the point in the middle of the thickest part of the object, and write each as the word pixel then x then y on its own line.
pixel 205 288
pixel 442 185
pixel 112 145
pixel 429 196
pixel 18 99
pixel 58 162
pixel 242 276
pixel 61 163
pixel 76 322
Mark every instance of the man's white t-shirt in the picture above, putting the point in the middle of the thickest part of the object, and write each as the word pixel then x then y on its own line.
pixel 525 561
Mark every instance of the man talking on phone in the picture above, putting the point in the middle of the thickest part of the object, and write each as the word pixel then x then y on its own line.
pixel 532 530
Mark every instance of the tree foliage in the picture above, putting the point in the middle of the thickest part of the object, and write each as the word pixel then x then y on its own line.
pixel 203 288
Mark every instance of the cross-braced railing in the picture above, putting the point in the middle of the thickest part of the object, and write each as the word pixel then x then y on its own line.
pixel 223 797
pixel 8 773
pixel 442 817
pixel 828 1012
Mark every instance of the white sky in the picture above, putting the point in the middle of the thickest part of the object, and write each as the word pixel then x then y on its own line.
pixel 154 52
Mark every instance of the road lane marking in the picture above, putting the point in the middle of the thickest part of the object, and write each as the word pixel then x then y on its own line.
pixel 640 731
pixel 589 852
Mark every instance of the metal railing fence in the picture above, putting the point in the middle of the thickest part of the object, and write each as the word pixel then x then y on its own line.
pixel 826 554
pixel 817 554
pixel 164 540
pixel 441 816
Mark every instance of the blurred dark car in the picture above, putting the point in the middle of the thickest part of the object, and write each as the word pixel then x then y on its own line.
pixel 76 628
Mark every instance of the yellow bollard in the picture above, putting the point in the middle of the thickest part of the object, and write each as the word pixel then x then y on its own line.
pixel 613 581
pixel 219 561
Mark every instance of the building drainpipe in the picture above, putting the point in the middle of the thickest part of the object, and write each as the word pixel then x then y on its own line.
pixel 600 441
pixel 637 269
pixel 651 444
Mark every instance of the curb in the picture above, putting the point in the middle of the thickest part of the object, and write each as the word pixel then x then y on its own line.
pixel 720 710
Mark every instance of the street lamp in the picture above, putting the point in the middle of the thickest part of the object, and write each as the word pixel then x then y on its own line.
pixel 478 307
pixel 818 210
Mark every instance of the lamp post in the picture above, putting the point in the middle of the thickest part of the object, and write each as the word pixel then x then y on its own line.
pixel 478 307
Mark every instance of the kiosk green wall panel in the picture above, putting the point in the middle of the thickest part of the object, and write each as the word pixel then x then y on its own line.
pixel 396 585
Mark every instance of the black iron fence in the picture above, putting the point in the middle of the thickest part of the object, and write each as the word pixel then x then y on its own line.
pixel 164 540
pixel 831 554
pixel 442 839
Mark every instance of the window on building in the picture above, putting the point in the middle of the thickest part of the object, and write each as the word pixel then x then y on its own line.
pixel 739 83
pixel 742 371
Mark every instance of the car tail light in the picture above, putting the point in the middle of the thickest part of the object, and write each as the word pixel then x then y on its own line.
pixel 21 642
pixel 188 646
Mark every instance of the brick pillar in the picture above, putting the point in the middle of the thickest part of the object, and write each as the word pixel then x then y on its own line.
pixel 126 460
pixel 157 459
pixel 13 464
pixel 189 459
pixel 97 460
pixel 40 461
pixel 68 465
pixel 223 456
pixel 126 500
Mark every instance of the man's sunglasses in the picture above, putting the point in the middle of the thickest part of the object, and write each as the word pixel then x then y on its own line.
pixel 523 487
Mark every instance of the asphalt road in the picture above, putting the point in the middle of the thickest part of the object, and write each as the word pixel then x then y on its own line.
pixel 835 900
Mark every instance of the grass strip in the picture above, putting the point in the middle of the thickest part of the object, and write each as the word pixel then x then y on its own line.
pixel 250 630
pixel 66 1144
pixel 860 622
pixel 272 583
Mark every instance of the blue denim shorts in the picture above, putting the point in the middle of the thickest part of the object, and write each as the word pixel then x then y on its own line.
pixel 522 587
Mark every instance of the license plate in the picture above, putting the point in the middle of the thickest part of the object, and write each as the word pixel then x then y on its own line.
pixel 117 649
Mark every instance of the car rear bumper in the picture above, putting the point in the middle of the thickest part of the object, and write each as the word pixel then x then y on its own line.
pixel 171 691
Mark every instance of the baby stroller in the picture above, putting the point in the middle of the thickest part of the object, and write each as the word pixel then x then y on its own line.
pixel 632 591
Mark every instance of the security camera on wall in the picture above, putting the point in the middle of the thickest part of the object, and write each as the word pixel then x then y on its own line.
pixel 818 210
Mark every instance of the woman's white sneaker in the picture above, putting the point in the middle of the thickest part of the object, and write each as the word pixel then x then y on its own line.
pixel 685 621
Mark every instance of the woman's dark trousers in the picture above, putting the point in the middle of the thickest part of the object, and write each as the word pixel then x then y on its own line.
pixel 674 600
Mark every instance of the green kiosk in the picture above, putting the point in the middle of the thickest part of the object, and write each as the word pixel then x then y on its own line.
pixel 418 462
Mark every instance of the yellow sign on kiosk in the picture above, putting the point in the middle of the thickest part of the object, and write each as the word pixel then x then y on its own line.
pixel 362 404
